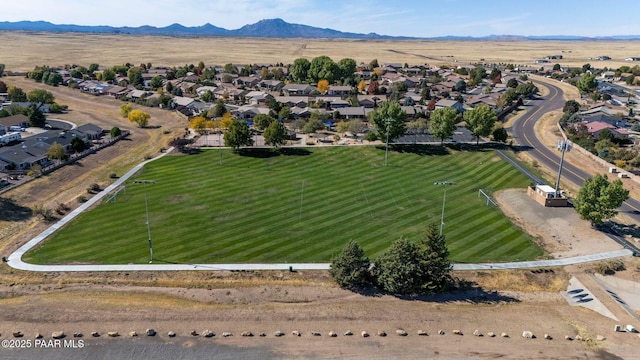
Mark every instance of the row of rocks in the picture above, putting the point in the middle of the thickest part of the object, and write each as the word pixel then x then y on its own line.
pixel 400 332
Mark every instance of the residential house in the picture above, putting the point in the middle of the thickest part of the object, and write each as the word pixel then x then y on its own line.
pixel 446 103
pixel 293 101
pixel 246 81
pixel 17 121
pixel 248 112
pixel 298 89
pixel 23 157
pixel 371 101
pixel 339 90
pixel 351 112
pixel 91 131
pixel 595 127
pixel 258 97
pixel 271 85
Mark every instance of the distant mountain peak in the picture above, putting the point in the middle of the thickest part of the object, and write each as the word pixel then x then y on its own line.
pixel 265 28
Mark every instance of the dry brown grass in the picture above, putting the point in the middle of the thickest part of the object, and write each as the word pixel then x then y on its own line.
pixel 550 280
pixel 24 50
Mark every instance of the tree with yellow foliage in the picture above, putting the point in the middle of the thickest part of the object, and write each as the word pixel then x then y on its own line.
pixel 362 85
pixel 227 120
pixel 323 86
pixel 125 109
pixel 139 117
pixel 198 123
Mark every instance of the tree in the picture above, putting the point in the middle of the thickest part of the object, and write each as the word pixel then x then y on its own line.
pixel 347 67
pixel 480 121
pixel 56 151
pixel 262 121
pixel 512 83
pixel 443 123
pixel 36 117
pixel 460 86
pixel 79 145
pixel 115 132
pixel 125 109
pixel 361 86
pixel 373 87
pixel 16 94
pixel 275 134
pixel 350 268
pixel 323 86
pixel 139 117
pixel 3 87
pixel 322 67
pixel 284 113
pixel 314 124
pixel 1 70
pixel 40 96
pixel 556 67
pixel 398 269
pixel 135 76
pixel 389 120
pixel 435 267
pixel 198 123
pixel 299 70
pixel 226 121
pixel 220 109
pixel 373 64
pixel 499 134
pixel 476 75
pixel 156 82
pixel 587 83
pixel 598 199
pixel 237 135
pixel 571 107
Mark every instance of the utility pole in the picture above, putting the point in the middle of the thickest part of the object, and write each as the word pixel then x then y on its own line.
pixel 444 199
pixel 386 151
pixel 146 207
pixel 562 146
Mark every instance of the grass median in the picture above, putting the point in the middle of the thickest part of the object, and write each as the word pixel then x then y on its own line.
pixel 298 205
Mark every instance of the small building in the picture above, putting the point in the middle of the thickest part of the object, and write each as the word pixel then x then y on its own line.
pixel 546 195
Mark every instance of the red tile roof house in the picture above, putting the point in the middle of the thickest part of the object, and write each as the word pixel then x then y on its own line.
pixel 595 127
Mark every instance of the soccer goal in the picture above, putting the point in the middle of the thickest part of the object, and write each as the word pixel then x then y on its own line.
pixel 489 199
pixel 122 190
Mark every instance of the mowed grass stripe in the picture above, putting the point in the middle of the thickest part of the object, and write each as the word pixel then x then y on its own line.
pixel 254 209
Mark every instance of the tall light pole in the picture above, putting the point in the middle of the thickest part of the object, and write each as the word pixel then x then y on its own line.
pixel 444 199
pixel 386 150
pixel 220 145
pixel 562 146
pixel 146 207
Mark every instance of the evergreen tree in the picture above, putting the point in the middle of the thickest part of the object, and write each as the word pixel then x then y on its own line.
pixel 435 267
pixel 350 268
pixel 398 269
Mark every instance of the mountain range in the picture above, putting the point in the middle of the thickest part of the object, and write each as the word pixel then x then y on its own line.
pixel 268 28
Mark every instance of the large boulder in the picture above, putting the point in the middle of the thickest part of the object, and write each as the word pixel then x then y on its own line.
pixel 247 334
pixel 17 333
pixel 113 334
pixel 401 332
pixel 422 333
pixel 381 333
pixel 58 334
pixel 151 332
pixel 278 333
pixel 208 333
pixel 364 334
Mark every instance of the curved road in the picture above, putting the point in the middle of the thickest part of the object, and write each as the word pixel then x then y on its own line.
pixel 524 134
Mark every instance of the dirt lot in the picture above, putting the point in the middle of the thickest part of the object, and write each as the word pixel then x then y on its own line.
pixel 503 301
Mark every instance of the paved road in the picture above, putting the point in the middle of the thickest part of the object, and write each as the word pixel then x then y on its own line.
pixel 524 134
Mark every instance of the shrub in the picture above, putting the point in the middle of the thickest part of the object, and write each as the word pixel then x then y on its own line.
pixel 81 199
pixel 610 267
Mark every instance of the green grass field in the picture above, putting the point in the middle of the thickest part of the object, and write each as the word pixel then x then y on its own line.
pixel 300 207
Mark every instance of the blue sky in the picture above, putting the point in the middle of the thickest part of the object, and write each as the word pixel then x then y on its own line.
pixel 424 18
